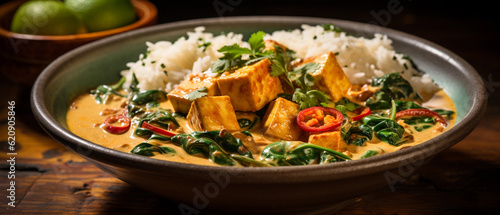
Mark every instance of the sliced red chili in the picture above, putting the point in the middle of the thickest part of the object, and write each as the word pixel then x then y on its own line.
pixel 319 119
pixel 363 111
pixel 421 112
pixel 117 124
pixel 157 130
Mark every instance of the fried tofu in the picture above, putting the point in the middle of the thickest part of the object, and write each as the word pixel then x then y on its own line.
pixel 271 43
pixel 331 140
pixel 250 87
pixel 179 96
pixel 280 120
pixel 330 78
pixel 212 113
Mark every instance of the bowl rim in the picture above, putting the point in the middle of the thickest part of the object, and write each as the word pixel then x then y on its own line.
pixel 146 11
pixel 294 174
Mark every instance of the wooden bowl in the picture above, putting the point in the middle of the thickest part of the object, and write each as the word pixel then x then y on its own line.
pixel 24 56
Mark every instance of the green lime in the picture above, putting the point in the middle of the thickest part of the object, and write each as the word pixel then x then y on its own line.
pixel 45 18
pixel 100 15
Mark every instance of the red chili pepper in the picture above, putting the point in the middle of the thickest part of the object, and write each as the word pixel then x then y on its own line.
pixel 421 112
pixel 117 124
pixel 365 111
pixel 157 130
pixel 319 119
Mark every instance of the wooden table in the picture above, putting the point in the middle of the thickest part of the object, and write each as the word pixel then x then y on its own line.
pixel 50 179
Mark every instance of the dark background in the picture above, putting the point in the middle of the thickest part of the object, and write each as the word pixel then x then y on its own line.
pixel 471 29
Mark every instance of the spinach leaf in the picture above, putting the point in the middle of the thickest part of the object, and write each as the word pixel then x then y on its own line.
pixel 406 105
pixel 147 149
pixel 443 112
pixel 102 92
pixel 371 153
pixel 217 146
pixel 145 100
pixel 385 129
pixel 392 86
pixel 356 134
pixel 147 96
pixel 160 117
pixel 133 84
pixel 288 153
pixel 247 123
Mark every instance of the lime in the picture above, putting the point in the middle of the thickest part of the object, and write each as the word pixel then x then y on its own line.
pixel 45 18
pixel 100 15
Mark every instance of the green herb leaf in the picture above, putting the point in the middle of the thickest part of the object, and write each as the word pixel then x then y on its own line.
pixel 331 27
pixel 198 93
pixel 256 41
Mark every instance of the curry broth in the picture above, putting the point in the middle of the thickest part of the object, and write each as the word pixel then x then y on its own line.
pixel 85 119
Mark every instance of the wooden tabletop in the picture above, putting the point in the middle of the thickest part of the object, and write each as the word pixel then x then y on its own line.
pixel 465 179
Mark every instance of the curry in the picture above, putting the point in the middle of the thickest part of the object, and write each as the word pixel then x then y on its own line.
pixel 270 109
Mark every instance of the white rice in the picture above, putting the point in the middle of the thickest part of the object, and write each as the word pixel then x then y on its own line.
pixel 360 58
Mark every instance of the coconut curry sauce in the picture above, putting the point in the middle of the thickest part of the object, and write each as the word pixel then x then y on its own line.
pixel 85 118
pixel 271 109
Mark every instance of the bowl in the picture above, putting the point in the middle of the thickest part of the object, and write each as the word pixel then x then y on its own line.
pixel 24 56
pixel 277 190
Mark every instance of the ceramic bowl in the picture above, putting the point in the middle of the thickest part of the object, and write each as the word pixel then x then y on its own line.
pixel 288 190
pixel 24 56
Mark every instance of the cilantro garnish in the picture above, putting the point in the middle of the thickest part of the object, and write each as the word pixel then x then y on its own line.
pixel 198 93
pixel 205 45
pixel 331 27
pixel 233 54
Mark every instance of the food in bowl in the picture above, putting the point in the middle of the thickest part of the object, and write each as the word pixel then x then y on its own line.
pixel 307 96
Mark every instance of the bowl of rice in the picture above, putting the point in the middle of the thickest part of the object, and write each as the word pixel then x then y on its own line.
pixel 164 55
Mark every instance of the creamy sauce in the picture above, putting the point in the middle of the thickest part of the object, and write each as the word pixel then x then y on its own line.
pixel 85 118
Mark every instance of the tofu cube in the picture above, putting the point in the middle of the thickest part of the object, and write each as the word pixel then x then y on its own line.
pixel 212 113
pixel 271 43
pixel 331 140
pixel 250 87
pixel 280 120
pixel 330 78
pixel 179 96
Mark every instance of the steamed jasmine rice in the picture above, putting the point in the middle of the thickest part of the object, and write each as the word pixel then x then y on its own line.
pixel 166 64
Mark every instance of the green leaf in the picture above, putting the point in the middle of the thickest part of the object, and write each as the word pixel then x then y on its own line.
pixel 371 153
pixel 198 93
pixel 217 146
pixel 443 112
pixel 310 98
pixel 133 84
pixel 205 45
pixel 289 153
pixel 331 27
pixel 147 96
pixel 103 92
pixel 256 41
pixel 392 87
pixel 234 51
pixel 385 129
pixel 147 149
